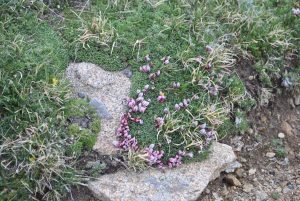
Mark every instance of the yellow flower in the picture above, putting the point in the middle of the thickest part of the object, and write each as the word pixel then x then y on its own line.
pixel 55 81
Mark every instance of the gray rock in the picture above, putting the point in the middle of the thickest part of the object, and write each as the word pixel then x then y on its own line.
pixel 261 196
pixel 297 99
pixel 217 197
pixel 109 87
pixel 183 183
pixel 231 168
pixel 127 72
pixel 81 94
pixel 286 190
pixel 101 109
pixel 247 188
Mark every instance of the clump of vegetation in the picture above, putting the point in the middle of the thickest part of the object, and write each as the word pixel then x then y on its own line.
pixel 38 147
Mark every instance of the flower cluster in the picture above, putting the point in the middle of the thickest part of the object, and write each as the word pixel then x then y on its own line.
pixel 207 133
pixel 125 140
pixel 153 76
pixel 154 157
pixel 176 85
pixel 166 60
pixel 182 105
pixel 139 104
pixel 146 68
pixel 176 161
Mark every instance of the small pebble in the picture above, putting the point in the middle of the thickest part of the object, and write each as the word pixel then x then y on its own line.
pixel 252 171
pixel 251 77
pixel 81 94
pixel 270 154
pixel 281 135
pixel 247 188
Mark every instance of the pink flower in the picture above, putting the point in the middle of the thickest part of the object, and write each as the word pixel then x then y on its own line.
pixel 161 98
pixel 185 103
pixel 176 161
pixel 208 49
pixel 176 85
pixel 166 60
pixel 203 125
pixel 152 76
pixel 296 11
pixel 145 68
pixel 145 103
pixel 147 58
pixel 159 122
pixel 177 107
pixel 198 59
pixel 195 97
pixel 157 73
pixel 142 109
pixel 208 66
pixel 146 88
pixel 154 157
pixel 166 110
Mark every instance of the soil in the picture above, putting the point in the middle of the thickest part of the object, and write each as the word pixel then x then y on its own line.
pixel 263 177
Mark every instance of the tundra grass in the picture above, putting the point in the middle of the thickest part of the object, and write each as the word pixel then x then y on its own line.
pixel 118 34
pixel 38 154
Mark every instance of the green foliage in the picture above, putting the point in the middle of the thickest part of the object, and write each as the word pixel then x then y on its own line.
pixel 241 122
pixel 278 147
pixel 34 99
pixel 182 29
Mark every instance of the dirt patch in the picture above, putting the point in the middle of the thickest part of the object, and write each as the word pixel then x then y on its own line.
pixel 264 177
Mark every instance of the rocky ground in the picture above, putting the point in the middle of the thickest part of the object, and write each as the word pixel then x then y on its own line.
pixel 269 154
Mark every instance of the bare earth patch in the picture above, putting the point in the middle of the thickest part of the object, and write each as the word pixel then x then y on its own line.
pixel 270 157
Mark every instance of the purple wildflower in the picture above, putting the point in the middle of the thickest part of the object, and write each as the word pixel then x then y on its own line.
pixel 166 60
pixel 296 11
pixel 177 107
pixel 147 58
pixel 176 85
pixel 208 49
pixel 154 157
pixel 166 111
pixel 145 68
pixel 159 121
pixel 176 161
pixel 161 98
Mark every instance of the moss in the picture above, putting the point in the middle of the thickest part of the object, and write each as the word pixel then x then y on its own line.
pixel 87 138
pixel 73 130
pixel 75 149
pixel 96 125
pixel 77 108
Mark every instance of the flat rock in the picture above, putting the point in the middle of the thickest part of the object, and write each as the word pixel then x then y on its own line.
pixel 100 108
pixel 107 90
pixel 180 184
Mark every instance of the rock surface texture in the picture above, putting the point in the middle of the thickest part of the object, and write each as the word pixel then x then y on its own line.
pixel 106 90
pixel 179 184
